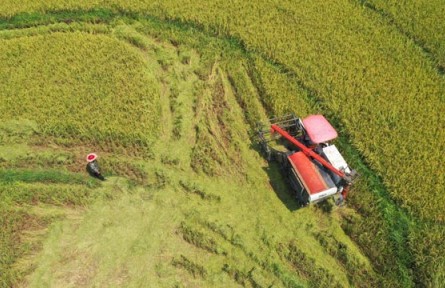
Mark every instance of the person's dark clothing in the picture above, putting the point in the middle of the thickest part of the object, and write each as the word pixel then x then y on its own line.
pixel 93 170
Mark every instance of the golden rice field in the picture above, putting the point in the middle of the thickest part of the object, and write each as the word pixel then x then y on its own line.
pixel 373 67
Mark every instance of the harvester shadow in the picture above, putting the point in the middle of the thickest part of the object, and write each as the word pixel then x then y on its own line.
pixel 280 186
pixel 278 182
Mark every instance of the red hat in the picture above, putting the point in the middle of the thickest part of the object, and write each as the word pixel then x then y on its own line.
pixel 91 157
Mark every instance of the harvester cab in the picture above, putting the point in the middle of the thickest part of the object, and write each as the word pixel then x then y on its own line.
pixel 315 168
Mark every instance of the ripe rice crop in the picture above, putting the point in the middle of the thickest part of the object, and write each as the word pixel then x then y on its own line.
pixel 79 86
pixel 422 20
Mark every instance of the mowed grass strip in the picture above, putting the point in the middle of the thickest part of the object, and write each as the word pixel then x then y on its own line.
pixel 81 86
pixel 22 228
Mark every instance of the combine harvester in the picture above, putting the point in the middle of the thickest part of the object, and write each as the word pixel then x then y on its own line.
pixel 316 170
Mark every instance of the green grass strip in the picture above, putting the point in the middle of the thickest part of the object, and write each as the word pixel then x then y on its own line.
pixel 26 20
pixel 44 176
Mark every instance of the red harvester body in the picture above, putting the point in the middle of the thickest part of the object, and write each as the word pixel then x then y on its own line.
pixel 316 170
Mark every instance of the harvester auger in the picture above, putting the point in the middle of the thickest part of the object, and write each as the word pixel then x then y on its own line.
pixel 315 168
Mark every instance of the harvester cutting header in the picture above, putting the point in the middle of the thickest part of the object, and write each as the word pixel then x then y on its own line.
pixel 315 168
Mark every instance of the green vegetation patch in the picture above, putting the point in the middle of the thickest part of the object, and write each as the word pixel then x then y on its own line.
pixel 45 176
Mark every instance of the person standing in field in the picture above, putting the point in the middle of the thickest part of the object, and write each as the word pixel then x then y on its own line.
pixel 93 166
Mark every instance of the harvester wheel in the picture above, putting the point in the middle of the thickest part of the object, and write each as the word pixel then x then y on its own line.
pixel 303 204
pixel 340 202
pixel 268 155
pixel 266 151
